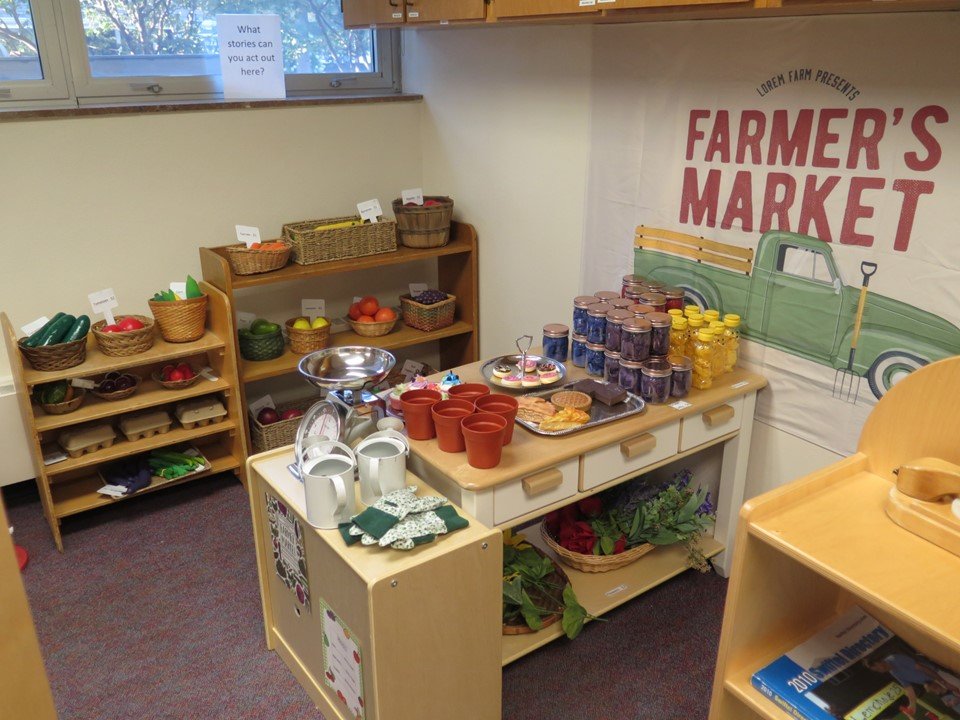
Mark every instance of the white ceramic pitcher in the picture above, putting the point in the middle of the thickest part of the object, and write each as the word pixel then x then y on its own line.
pixel 328 483
pixel 382 461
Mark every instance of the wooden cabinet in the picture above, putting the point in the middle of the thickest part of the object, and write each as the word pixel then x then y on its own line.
pixel 70 486
pixel 369 13
pixel 537 8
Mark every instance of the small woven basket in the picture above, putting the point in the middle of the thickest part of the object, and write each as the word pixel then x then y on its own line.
pixel 181 320
pixel 374 329
pixel 65 407
pixel 55 357
pixel 306 341
pixel 280 433
pixel 175 384
pixel 119 394
pixel 428 317
pixel 262 347
pixel 244 261
pixel 594 563
pixel 310 245
pixel 124 344
pixel 424 227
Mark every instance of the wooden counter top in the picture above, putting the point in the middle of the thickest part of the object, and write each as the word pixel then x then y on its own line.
pixel 529 452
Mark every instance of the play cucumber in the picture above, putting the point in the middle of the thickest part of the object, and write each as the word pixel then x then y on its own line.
pixel 35 337
pixel 78 330
pixel 57 331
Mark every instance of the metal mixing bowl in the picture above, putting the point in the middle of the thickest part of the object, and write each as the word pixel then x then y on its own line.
pixel 346 368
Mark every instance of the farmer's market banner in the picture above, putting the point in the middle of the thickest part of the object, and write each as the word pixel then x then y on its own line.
pixel 830 147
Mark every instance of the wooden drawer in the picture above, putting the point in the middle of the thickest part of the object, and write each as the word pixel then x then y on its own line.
pixel 704 427
pixel 629 455
pixel 530 493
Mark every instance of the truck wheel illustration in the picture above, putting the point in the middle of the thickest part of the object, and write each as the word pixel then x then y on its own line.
pixel 693 296
pixel 890 367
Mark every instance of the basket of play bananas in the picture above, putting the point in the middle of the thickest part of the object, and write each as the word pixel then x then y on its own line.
pixel 339 238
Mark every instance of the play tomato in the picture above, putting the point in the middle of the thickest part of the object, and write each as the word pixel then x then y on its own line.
pixel 354 311
pixel 365 319
pixel 385 314
pixel 369 305
pixel 175 376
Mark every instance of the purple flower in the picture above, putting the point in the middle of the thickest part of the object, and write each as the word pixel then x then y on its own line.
pixel 706 508
pixel 682 479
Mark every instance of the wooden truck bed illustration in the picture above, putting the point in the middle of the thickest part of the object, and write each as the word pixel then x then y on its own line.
pixel 791 297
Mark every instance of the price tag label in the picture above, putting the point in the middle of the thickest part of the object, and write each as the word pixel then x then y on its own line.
pixel 209 374
pixel 31 328
pixel 245 320
pixel 680 405
pixel 410 369
pixel 413 14
pixel 414 195
pixel 82 383
pixel 588 3
pixel 357 298
pixel 102 302
pixel 417 288
pixel 444 22
pixel 742 383
pixel 313 308
pixel 396 16
pixel 247 234
pixel 369 210
pixel 179 289
pixel 265 402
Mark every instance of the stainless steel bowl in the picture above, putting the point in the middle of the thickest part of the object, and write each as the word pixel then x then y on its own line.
pixel 346 368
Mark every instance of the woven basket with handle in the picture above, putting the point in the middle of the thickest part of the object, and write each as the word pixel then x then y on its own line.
pixel 594 563
pixel 181 320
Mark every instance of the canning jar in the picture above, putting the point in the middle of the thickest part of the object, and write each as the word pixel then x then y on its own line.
pixel 681 377
pixel 578 350
pixel 635 339
pixel 629 377
pixel 615 320
pixel 703 359
pixel 636 283
pixel 597 322
pixel 678 336
pixel 556 339
pixel 640 310
pixel 655 380
pixel 674 296
pixel 606 295
pixel 620 303
pixel 731 334
pixel 660 335
pixel 634 292
pixel 580 305
pixel 719 347
pixel 595 359
pixel 654 285
pixel 657 301
pixel 611 366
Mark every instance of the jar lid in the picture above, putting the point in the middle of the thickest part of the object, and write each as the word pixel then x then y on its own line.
pixel 634 292
pixel 641 310
pixel 705 335
pixel 631 364
pixel 680 323
pixel 695 320
pixel 659 319
pixel 599 309
pixel 606 294
pixel 718 324
pixel 653 298
pixel 636 325
pixel 612 354
pixel 618 316
pixel 656 367
pixel 582 301
pixel 680 363
pixel 634 280
pixel 676 312
pixel 654 285
pixel 689 310
pixel 579 338
pixel 556 330
pixel 731 320
pixel 673 292
pixel 596 347
pixel 711 314
pixel 621 303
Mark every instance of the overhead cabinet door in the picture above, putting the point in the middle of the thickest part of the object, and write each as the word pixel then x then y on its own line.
pixel 431 11
pixel 364 13
pixel 532 8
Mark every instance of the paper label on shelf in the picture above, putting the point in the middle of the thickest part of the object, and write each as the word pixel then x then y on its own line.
pixel 257 405
pixel 247 234
pixel 369 210
pixel 245 320
pixel 444 22
pixel 680 405
pixel 602 2
pixel 113 491
pixel 414 195
pixel 313 308
pixel 615 591
pixel 54 456
pixel 588 3
pixel 417 288
pixel 742 383
pixel 179 289
pixel 102 302
pixel 410 369
pixel 342 662
pixel 209 374
pixel 357 298
pixel 32 327
pixel 82 383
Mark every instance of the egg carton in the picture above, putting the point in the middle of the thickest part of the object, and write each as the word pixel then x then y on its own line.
pixel 85 440
pixel 145 425
pixel 200 413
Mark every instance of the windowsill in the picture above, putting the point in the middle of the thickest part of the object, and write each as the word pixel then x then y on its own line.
pixel 198 106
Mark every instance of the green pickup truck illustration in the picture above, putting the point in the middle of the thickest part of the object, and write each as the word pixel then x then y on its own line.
pixel 791 297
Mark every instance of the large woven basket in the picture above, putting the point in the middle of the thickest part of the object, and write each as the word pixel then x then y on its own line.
pixel 424 226
pixel 307 341
pixel 181 320
pixel 124 344
pixel 311 246
pixel 594 563
pixel 261 347
pixel 55 357
pixel 280 433
pixel 428 317
pixel 559 577
pixel 244 261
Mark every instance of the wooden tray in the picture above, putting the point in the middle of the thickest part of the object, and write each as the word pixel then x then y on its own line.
pixel 600 414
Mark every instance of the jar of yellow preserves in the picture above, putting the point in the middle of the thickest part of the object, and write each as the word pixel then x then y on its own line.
pixel 731 334
pixel 678 336
pixel 719 347
pixel 703 359
pixel 694 323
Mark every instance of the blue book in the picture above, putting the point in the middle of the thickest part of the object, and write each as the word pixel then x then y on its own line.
pixel 857 669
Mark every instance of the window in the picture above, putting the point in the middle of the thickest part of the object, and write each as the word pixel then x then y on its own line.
pixel 804 263
pixel 132 49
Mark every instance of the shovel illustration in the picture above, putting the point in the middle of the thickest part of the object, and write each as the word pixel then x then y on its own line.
pixel 846 383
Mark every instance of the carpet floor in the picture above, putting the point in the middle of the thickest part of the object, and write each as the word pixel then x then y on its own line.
pixel 153 612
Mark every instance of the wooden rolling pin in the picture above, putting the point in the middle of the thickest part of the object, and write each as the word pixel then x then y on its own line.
pixel 929 479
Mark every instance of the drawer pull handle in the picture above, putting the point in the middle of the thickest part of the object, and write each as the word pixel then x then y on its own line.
pixel 638 445
pixel 542 481
pixel 717 416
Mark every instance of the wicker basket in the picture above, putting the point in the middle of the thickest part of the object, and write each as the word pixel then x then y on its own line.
pixel 65 407
pixel 310 246
pixel 181 320
pixel 428 317
pixel 261 347
pixel 55 357
pixel 127 343
pixel 424 227
pixel 119 394
pixel 280 433
pixel 157 377
pixel 561 580
pixel 594 563
pixel 306 341
pixel 372 329
pixel 244 261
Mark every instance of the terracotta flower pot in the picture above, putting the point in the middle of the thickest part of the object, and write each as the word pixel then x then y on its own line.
pixel 416 405
pixel 483 436
pixel 468 391
pixel 503 405
pixel 447 415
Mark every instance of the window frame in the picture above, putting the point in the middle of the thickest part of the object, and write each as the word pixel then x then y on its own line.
pixel 55 85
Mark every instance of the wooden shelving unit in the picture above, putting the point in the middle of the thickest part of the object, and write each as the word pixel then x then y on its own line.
pixel 457 274
pixel 70 486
